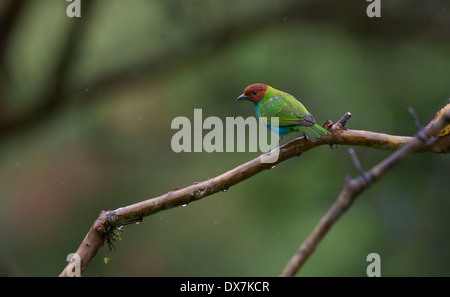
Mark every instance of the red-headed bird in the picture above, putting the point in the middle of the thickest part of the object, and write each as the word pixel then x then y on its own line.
pixel 292 115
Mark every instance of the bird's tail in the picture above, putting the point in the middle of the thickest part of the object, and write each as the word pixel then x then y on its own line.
pixel 314 132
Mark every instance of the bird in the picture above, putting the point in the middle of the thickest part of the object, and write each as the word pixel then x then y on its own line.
pixel 292 115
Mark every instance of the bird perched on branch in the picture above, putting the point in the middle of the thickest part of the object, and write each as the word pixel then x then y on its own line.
pixel 292 115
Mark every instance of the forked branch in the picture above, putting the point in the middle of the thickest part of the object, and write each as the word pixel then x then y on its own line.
pixel 424 138
pixel 109 220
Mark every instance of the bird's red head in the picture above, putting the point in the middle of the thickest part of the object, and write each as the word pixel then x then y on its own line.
pixel 254 93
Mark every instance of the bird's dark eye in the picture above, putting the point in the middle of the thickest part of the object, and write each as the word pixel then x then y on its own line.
pixel 255 92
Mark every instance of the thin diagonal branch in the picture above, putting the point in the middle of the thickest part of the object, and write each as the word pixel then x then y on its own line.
pixel 354 187
pixel 108 220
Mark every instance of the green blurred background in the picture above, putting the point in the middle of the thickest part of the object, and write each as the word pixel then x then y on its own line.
pixel 86 106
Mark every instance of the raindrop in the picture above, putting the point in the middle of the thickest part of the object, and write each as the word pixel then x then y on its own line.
pixel 140 118
pixel 62 182
pixel 215 222
pixel 284 19
pixel 160 218
pixel 86 89
pixel 18 164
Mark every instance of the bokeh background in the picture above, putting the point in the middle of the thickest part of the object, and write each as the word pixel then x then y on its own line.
pixel 86 106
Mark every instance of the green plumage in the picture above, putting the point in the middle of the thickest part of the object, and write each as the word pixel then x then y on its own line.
pixel 292 115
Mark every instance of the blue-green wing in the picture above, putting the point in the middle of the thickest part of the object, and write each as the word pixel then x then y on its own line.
pixel 289 111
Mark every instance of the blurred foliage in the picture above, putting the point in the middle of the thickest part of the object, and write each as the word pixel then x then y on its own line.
pixel 104 142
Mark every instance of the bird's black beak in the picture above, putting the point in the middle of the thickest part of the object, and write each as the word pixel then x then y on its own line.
pixel 242 97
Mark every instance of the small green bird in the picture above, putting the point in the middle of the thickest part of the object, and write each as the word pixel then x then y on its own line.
pixel 292 115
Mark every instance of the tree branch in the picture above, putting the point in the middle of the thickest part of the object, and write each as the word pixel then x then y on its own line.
pixel 350 15
pixel 353 187
pixel 108 220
